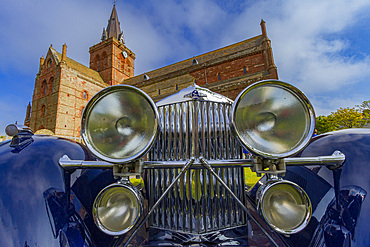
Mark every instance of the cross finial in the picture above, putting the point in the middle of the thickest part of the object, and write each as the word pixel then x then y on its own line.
pixel 114 2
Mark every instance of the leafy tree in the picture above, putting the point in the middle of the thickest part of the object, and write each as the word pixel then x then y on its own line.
pixel 325 124
pixel 365 109
pixel 345 118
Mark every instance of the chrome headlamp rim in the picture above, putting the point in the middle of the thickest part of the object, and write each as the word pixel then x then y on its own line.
pixel 293 90
pixel 90 105
pixel 132 189
pixel 260 198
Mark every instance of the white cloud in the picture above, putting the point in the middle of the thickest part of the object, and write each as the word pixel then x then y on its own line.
pixel 311 47
pixel 309 39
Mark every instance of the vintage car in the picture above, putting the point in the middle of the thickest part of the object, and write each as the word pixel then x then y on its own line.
pixel 176 173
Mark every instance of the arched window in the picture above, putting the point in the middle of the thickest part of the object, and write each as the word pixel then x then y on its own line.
pixel 49 63
pixel 97 60
pixel 219 76
pixel 159 92
pixel 130 68
pixel 43 111
pixel 245 70
pixel 51 84
pixel 84 95
pixel 177 87
pixel 105 60
pixel 44 87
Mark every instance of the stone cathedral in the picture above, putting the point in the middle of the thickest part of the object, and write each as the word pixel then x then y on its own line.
pixel 64 86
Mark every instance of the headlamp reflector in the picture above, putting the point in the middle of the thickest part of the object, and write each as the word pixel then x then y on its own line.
pixel 273 119
pixel 285 206
pixel 116 209
pixel 120 123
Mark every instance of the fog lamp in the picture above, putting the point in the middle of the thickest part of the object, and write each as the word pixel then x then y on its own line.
pixel 119 124
pixel 117 208
pixel 273 119
pixel 285 206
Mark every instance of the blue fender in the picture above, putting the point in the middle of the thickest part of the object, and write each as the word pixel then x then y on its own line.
pixel 350 225
pixel 28 173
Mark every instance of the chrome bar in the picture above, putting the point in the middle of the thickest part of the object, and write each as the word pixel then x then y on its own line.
pixel 227 131
pixel 208 129
pixel 69 164
pixel 337 158
pixel 215 136
pixel 179 164
pixel 203 129
pixel 176 133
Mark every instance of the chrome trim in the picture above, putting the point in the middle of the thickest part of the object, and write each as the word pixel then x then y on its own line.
pixel 15 129
pixel 139 199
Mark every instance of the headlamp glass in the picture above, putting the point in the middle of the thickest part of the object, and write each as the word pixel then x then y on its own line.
pixel 116 209
pixel 119 124
pixel 286 207
pixel 273 119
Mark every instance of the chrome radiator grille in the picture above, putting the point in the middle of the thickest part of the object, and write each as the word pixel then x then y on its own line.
pixel 195 128
pixel 197 203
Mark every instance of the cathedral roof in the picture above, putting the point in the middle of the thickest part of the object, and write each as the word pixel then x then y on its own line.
pixel 79 67
pixel 113 27
pixel 249 46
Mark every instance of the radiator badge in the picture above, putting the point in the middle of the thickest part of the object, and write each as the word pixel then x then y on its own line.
pixel 195 95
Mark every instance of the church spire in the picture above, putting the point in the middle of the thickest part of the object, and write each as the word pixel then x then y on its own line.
pixel 113 29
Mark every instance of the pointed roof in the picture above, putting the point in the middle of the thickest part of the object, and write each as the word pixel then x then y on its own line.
pixel 113 29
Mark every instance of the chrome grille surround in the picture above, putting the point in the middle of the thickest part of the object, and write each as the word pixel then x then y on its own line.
pixel 197 203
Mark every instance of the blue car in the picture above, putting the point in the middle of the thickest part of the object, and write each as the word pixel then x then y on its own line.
pixel 178 173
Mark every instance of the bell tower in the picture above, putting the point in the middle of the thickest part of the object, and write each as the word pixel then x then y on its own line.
pixel 111 58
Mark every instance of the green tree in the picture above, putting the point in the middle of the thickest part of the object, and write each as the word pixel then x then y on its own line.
pixel 365 109
pixel 325 124
pixel 345 118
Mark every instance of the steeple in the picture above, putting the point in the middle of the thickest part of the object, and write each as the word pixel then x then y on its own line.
pixel 111 58
pixel 113 29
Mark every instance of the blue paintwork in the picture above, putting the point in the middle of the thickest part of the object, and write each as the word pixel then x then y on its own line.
pixel 354 182
pixel 26 172
pixel 35 212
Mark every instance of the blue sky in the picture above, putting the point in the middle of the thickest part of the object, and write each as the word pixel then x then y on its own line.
pixel 320 46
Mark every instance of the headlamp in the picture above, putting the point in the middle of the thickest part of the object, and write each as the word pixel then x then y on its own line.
pixel 117 208
pixel 273 119
pixel 119 124
pixel 285 206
